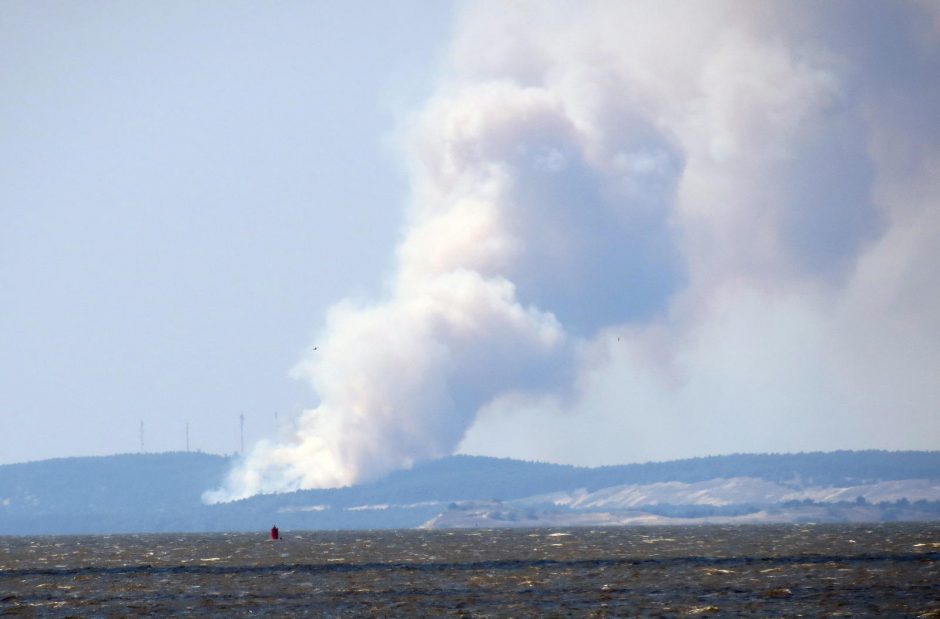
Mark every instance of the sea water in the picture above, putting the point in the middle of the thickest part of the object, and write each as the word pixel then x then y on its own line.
pixel 880 569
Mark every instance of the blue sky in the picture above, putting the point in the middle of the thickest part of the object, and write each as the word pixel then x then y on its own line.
pixel 577 232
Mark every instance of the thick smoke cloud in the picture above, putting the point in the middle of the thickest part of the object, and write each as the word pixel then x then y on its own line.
pixel 699 215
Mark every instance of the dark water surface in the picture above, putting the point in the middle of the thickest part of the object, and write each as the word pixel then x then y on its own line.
pixel 833 570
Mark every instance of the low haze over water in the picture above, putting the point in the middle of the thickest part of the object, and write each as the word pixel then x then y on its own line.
pixel 760 570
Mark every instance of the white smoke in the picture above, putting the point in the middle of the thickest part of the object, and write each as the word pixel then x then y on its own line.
pixel 660 194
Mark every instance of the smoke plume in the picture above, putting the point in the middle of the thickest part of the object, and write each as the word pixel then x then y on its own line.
pixel 681 199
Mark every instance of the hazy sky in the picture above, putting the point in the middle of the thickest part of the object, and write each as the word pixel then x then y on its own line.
pixel 579 232
pixel 185 187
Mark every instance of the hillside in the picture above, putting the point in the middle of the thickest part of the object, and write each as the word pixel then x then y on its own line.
pixel 161 492
pixel 109 484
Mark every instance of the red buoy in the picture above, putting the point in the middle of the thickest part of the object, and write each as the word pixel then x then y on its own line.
pixel 274 532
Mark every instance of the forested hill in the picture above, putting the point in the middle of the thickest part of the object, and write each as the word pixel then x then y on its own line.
pixel 106 484
pixel 478 477
pixel 838 468
pixel 161 492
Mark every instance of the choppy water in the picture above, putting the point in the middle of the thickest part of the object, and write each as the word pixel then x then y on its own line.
pixel 758 570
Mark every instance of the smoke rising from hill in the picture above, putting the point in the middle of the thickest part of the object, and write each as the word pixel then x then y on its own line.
pixel 627 190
